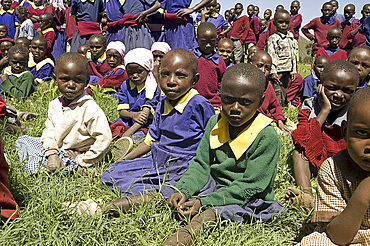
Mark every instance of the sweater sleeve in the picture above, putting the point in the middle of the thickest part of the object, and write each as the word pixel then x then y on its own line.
pixel 19 87
pixel 305 29
pixel 274 106
pixel 2 107
pixel 271 49
pixel 261 167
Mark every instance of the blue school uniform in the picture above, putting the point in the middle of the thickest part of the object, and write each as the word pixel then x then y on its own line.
pixel 114 12
pixel 174 137
pixel 10 20
pixel 216 19
pixel 42 71
pixel 183 35
pixel 132 98
pixel 310 85
pixel 365 30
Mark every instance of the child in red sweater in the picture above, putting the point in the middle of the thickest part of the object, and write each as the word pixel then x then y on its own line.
pixel 295 19
pixel 254 28
pixel 47 31
pixel 332 50
pixel 239 32
pixel 318 134
pixel 211 66
pixel 263 34
pixel 349 11
pixel 321 26
pixel 358 38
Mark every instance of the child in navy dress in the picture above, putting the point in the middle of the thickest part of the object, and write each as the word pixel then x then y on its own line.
pixel 311 81
pixel 114 12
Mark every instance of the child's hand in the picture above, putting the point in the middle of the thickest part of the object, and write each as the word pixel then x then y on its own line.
pixel 39 31
pixel 140 18
pixel 4 61
pixel 184 11
pixel 73 153
pixel 176 199
pixel 283 127
pixel 204 11
pixel 192 207
pixel 4 77
pixel 140 117
pixel 323 99
pixel 54 162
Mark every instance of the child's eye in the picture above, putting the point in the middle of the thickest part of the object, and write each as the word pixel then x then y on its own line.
pixel 244 102
pixel 227 100
pixel 361 133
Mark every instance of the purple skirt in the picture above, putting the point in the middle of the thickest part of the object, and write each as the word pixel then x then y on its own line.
pixel 181 36
pixel 136 37
pixel 113 35
pixel 157 168
pixel 59 45
pixel 77 40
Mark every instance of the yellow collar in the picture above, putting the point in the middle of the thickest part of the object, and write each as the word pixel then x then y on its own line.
pixel 181 104
pixel 89 1
pixel 44 62
pixel 140 88
pixel 10 11
pixel 8 71
pixel 220 134
pixel 214 15
pixel 37 7
pixel 48 30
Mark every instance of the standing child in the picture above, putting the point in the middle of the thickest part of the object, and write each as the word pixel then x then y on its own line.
pixel 333 51
pixel 225 50
pixel 271 26
pixel 295 19
pixel 16 81
pixel 358 38
pixel 254 24
pixel 263 35
pixel 76 131
pixel 267 15
pixel 47 31
pixel 342 207
pixel 114 12
pixel 211 66
pixel 35 8
pixel 318 134
pixel 9 18
pixel 311 81
pixel 349 11
pixel 96 56
pixel 360 57
pixel 321 26
pixel 26 28
pixel 340 17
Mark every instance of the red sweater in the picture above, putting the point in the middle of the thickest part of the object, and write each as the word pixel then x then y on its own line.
pixel 254 28
pixel 99 69
pixel 210 79
pixel 2 107
pixel 271 106
pixel 315 142
pixel 295 25
pixel 113 80
pixel 320 31
pixel 358 39
pixel 262 40
pixel 50 38
pixel 271 27
pixel 70 24
pixel 345 42
pixel 240 28
pixel 339 55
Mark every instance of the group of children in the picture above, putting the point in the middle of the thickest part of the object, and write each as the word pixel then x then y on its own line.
pixel 208 126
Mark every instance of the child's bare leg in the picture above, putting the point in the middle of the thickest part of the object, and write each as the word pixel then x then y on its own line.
pixel 126 203
pixel 302 172
pixel 184 235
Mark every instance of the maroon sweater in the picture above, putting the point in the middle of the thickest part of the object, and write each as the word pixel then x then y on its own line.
pixel 295 25
pixel 240 28
pixel 271 27
pixel 262 39
pixel 271 106
pixel 254 24
pixel 320 31
pixel 345 42
pixel 99 69
pixel 358 39
pixel 339 55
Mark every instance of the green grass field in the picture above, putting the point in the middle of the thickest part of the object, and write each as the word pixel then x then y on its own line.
pixel 43 220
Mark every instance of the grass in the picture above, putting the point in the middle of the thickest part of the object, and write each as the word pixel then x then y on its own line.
pixel 43 220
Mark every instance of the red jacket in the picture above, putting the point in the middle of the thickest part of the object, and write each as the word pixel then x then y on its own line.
pixel 271 106
pixel 358 39
pixel 240 28
pixel 295 25
pixel 345 42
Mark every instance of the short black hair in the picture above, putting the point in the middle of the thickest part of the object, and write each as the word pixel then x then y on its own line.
pixel 327 3
pixel 22 10
pixel 75 58
pixel 322 58
pixel 345 66
pixel 18 49
pixel 205 27
pixel 190 56
pixel 260 52
pixel 334 28
pixel 362 47
pixel 227 40
pixel 42 39
pixel 2 24
pixel 360 96
pixel 100 37
pixel 248 72
pixel 280 11
pixel 48 16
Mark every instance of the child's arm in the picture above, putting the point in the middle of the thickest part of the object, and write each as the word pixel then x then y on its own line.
pixel 188 11
pixel 344 227
pixel 305 31
pixel 271 49
pixel 324 104
pixel 136 126
pixel 140 18
pixel 19 87
pixel 17 28
pixel 294 58
pixel 140 117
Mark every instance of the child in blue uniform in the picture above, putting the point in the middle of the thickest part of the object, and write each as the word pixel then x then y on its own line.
pixel 114 12
pixel 8 17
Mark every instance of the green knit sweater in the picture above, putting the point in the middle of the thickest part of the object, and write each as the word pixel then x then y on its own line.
pixel 18 87
pixel 251 176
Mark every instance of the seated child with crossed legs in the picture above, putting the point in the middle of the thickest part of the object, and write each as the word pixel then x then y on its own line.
pixel 318 134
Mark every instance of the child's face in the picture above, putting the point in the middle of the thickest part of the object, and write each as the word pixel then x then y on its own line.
pixel 20 16
pixel 23 42
pixel 158 56
pixel 327 10
pixel 256 10
pixel 225 50
pixel 207 41
pixel 97 47
pixel 71 80
pixel 238 9
pixel 3 31
pixel 294 7
pixel 250 10
pixel 38 50
pixel 319 66
pixel 335 6
pixel 136 73
pixel 356 132
pixel 218 8
pixel 263 24
pixel 177 77
pixel 6 4
pixel 263 62
pixel 334 37
pixel 239 100
pixel 211 7
pixel 37 2
pixel 281 22
pixel 44 21
pixel 251 51
pixel 227 14
pixel 361 59
pixel 114 58
pixel 349 11
pixel 4 47
pixel 365 11
pixel 267 14
pixel 232 14
pixel 18 62
pixel 339 88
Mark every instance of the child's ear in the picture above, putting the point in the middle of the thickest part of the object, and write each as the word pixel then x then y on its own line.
pixel 344 130
pixel 196 78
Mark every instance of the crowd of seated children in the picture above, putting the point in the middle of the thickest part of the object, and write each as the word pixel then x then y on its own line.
pixel 311 81
pixel 333 51
pixel 360 57
pixel 76 131
pixel 318 134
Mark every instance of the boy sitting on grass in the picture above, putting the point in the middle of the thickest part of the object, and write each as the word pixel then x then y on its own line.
pixel 76 132
pixel 342 206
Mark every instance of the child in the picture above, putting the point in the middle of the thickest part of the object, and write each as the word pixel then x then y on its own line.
pixel 311 81
pixel 178 126
pixel 5 45
pixel 254 24
pixel 263 35
pixel 342 200
pixel 9 18
pixel 256 10
pixel 98 65
pixel 318 133
pixel 117 75
pixel 340 17
pixel 35 8
pixel 365 30
pixel 349 11
pixel 333 51
pixel 70 24
pixel 271 26
pixel 26 28
pixel 3 31
pixel 282 47
pixel 211 65
pixel 17 82
pixel 321 26
pixel 76 132
pixel 159 49
pixel 23 42
pixel 251 51
pixel 114 12
pixel 47 31
pixel 43 67
pixel 360 57
pixel 225 50
pixel 267 15
pixel 358 38
pixel 295 19
pixel 239 33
